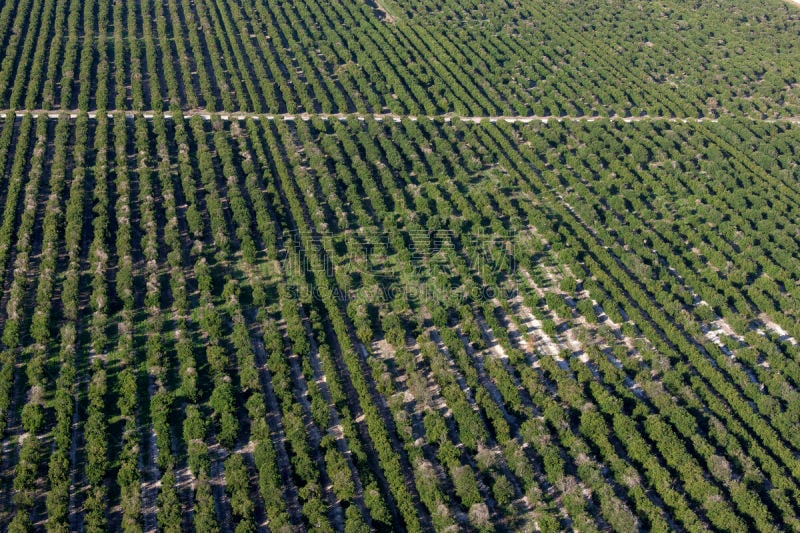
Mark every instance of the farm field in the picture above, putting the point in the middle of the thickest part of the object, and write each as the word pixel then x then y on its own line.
pixel 399 266
pixel 301 325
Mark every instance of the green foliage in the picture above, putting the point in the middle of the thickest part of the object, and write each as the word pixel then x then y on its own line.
pixel 275 290
pixel 502 490
pixel 204 518
pixel 169 508
pixel 236 483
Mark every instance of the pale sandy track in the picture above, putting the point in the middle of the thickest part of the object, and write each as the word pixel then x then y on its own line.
pixel 380 117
